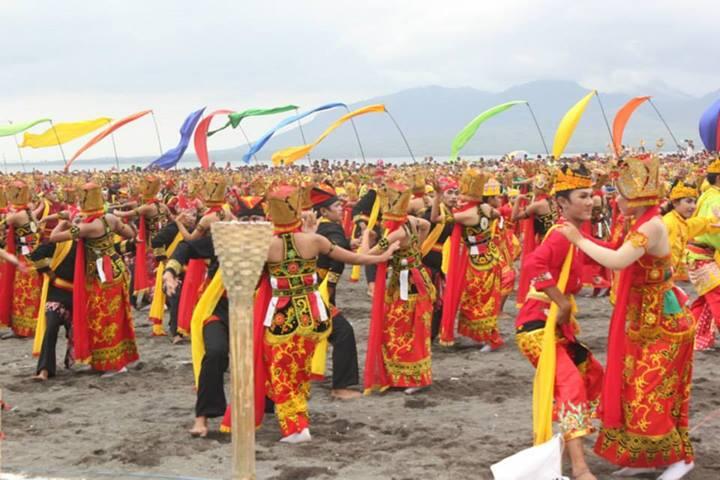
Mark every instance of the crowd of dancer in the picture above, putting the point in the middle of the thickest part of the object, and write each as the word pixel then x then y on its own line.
pixel 443 246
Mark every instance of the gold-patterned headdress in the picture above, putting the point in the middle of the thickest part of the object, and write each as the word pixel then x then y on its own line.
pixel 714 167
pixel 18 193
pixel 149 187
pixel 492 188
pixel 395 198
pixel 91 199
pixel 683 190
pixel 568 178
pixel 284 205
pixel 472 183
pixel 214 190
pixel 639 180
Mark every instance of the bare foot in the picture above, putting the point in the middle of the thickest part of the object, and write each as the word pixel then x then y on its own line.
pixel 345 394
pixel 586 475
pixel 200 428
pixel 41 377
pixel 178 339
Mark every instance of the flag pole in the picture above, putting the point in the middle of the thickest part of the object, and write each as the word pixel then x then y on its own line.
pixel 537 125
pixel 357 136
pixel 302 133
pixel 607 124
pixel 117 160
pixel 57 137
pixel 157 132
pixel 679 147
pixel 402 135
pixel 247 140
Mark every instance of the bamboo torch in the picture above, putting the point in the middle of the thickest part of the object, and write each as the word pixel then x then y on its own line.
pixel 242 248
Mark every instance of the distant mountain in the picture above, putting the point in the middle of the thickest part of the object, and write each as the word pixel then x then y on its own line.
pixel 431 116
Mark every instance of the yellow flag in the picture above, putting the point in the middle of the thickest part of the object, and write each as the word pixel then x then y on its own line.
pixel 568 124
pixel 287 156
pixel 61 133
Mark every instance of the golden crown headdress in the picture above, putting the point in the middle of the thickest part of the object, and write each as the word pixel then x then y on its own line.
pixel 683 190
pixel 491 188
pixel 395 197
pixel 472 183
pixel 567 178
pixel 18 193
pixel 639 180
pixel 714 167
pixel 149 186
pixel 284 207
pixel 91 199
pixel 214 190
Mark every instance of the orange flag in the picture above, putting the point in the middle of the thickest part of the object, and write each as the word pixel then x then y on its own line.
pixel 105 133
pixel 621 119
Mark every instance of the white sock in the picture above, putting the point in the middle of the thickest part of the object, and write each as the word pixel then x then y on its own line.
pixel 677 470
pixel 303 436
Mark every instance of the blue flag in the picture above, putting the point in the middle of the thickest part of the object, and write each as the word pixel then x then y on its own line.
pixel 710 127
pixel 259 144
pixel 170 158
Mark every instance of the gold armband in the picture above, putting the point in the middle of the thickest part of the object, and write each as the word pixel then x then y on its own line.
pixel 384 244
pixel 74 232
pixel 174 267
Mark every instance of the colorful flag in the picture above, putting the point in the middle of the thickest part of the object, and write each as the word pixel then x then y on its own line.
pixel 97 138
pixel 259 144
pixel 15 128
pixel 60 133
pixel 170 158
pixel 287 156
pixel 621 119
pixel 568 124
pixel 469 130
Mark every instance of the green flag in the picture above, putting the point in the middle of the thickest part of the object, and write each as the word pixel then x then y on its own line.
pixel 15 128
pixel 469 131
pixel 236 117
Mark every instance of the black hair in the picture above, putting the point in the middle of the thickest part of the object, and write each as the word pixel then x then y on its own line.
pixel 711 177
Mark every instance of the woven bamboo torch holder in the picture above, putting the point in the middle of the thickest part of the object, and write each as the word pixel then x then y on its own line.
pixel 242 248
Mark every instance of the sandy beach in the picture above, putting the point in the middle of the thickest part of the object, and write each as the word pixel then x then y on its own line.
pixel 477 412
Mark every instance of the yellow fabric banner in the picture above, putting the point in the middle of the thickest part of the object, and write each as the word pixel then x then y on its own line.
pixel 61 133
pixel 157 308
pixel 61 251
pixel 544 384
pixel 203 310
pixel 287 156
pixel 568 124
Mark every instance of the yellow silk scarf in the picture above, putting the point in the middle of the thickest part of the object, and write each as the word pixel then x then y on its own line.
pixel 61 251
pixel 544 384
pixel 157 308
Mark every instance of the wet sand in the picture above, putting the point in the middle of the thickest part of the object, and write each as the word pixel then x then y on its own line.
pixel 477 412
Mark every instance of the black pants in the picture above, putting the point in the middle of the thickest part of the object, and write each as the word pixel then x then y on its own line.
pixel 344 356
pixel 211 394
pixel 47 361
pixel 173 304
pixel 370 271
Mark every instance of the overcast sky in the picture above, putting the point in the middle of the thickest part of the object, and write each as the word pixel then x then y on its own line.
pixel 74 60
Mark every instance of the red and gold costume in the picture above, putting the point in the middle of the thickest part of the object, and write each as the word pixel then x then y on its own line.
pixel 578 375
pixel 534 229
pixel 645 400
pixel 475 272
pixel 294 318
pixel 103 332
pixel 399 341
pixel 21 289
